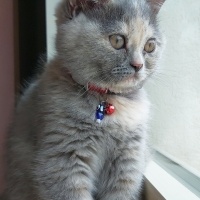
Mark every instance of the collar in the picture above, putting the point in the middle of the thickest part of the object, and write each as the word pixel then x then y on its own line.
pixel 101 91
pixel 94 88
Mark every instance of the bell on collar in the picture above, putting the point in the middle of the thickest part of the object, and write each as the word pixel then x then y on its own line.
pixel 102 109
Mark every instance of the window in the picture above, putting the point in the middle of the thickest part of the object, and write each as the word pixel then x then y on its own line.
pixel 175 90
pixel 176 93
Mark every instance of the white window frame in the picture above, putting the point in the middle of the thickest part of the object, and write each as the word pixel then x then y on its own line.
pixel 164 179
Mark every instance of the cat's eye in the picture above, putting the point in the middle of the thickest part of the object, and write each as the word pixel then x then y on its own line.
pixel 150 46
pixel 117 41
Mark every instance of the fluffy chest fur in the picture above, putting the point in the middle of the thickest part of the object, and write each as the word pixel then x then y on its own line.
pixel 62 97
pixel 110 152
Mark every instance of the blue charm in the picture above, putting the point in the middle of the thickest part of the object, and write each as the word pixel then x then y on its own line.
pixel 104 108
pixel 100 113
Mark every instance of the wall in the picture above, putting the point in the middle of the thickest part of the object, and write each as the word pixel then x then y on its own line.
pixel 6 75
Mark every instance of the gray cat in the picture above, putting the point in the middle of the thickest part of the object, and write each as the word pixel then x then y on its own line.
pixel 80 129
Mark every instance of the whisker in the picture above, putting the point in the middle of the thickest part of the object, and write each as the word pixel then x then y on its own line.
pixel 79 94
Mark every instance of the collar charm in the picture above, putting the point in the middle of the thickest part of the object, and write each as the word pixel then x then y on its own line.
pixel 104 108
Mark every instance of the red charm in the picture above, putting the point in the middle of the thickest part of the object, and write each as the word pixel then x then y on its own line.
pixel 110 109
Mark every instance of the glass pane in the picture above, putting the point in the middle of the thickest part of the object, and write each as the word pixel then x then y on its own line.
pixel 175 90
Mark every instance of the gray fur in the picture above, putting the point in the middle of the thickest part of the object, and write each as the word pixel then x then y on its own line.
pixel 56 150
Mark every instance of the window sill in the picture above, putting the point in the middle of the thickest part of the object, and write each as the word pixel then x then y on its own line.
pixel 160 185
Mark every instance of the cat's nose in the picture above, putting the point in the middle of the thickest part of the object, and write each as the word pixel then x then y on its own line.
pixel 137 66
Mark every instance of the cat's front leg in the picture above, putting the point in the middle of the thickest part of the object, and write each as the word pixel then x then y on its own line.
pixel 64 171
pixel 122 177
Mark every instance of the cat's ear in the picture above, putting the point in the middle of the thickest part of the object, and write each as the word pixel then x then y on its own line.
pixel 156 5
pixel 69 9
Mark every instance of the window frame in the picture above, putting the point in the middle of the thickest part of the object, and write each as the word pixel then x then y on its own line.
pixel 165 179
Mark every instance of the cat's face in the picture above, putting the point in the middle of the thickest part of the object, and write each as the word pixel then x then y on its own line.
pixel 113 45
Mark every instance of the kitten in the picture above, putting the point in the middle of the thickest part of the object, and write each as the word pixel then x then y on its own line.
pixel 61 146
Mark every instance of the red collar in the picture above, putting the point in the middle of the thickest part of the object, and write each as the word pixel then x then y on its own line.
pixel 97 89
pixel 90 86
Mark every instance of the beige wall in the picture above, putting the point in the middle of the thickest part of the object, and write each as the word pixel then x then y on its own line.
pixel 6 75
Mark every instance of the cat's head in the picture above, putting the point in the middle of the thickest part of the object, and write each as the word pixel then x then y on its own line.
pixel 113 44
